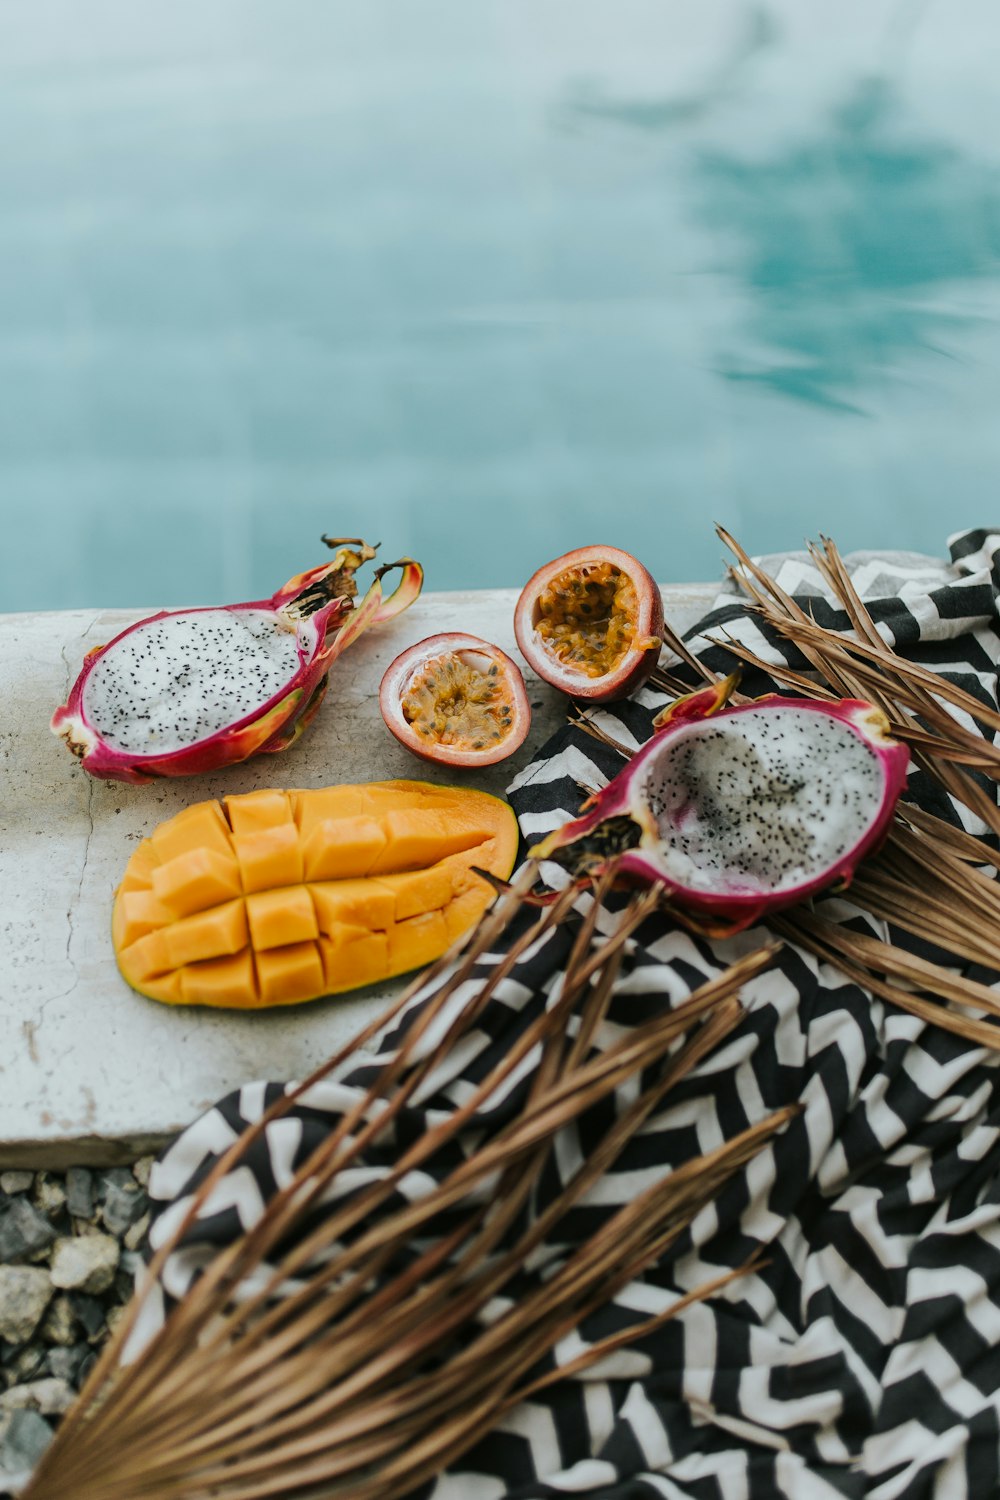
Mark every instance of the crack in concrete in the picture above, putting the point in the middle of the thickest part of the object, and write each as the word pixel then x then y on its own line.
pixel 73 903
pixel 71 674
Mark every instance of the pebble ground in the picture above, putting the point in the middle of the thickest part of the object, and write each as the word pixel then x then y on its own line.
pixel 69 1251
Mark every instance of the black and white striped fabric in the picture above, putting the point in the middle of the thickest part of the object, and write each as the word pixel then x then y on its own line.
pixel 864 1358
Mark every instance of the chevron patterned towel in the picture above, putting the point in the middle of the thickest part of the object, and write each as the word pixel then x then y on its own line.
pixel 863 1358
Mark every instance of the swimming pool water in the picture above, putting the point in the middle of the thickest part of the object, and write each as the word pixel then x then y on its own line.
pixel 486 281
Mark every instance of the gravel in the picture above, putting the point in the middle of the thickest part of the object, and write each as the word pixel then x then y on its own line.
pixel 69 1250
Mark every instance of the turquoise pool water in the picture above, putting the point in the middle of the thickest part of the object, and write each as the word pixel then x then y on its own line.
pixel 485 279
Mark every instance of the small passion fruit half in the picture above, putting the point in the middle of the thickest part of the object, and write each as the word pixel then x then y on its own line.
pixel 456 700
pixel 590 623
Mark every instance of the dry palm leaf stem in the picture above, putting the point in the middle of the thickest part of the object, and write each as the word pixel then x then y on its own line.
pixel 926 880
pixel 357 1351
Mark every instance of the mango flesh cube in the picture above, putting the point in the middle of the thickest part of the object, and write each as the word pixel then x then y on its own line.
pixel 275 900
pixel 147 956
pixel 202 826
pixel 165 987
pixel 139 872
pixel 211 934
pixel 281 916
pixel 135 914
pixel 220 981
pixel 464 910
pixel 255 810
pixel 419 890
pixel 420 838
pixel 327 802
pixel 287 975
pixel 418 941
pixel 269 857
pixel 368 904
pixel 201 877
pixel 352 957
pixel 341 848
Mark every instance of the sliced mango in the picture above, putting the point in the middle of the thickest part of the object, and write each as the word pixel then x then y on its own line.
pixel 256 810
pixel 417 838
pixel 139 875
pixel 353 956
pixel 137 912
pixel 417 941
pixel 214 933
pixel 203 826
pixel 283 915
pixel 198 878
pixel 145 958
pixel 290 974
pixel 339 848
pixel 273 898
pixel 368 904
pixel 218 981
pixel 420 890
pixel 269 857
pixel 325 802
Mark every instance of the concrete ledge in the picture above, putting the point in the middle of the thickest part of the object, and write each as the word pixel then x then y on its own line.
pixel 90 1072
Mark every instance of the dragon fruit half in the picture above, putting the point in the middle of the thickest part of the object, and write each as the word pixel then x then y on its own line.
pixel 188 690
pixel 738 811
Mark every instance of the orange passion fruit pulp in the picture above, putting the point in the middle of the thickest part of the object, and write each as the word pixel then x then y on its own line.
pixel 590 623
pixel 456 700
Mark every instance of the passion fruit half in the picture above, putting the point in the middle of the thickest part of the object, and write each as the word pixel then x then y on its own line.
pixel 456 700
pixel 590 623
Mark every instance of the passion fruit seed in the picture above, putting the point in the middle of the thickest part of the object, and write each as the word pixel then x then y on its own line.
pixel 585 617
pixel 454 701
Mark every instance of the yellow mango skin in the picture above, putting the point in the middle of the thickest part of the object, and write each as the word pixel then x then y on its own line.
pixel 275 898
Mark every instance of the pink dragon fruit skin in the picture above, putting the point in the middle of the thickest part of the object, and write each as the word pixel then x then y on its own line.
pixel 258 669
pixel 737 812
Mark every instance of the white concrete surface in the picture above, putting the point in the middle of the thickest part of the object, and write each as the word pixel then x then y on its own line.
pixel 89 1070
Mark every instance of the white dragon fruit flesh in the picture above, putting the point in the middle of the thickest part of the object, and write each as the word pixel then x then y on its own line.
pixel 187 691
pixel 738 811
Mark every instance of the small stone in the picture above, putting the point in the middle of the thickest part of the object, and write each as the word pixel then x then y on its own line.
pixel 85 1368
pixel 132 1263
pixel 80 1192
pixel 16 1182
pixel 141 1170
pixel 25 1292
pixel 25 1440
pixel 59 1324
pixel 124 1203
pixel 27 1363
pixel 49 1195
pixel 51 1397
pixel 113 1177
pixel 87 1264
pixel 65 1364
pixel 90 1314
pixel 23 1230
pixel 123 1288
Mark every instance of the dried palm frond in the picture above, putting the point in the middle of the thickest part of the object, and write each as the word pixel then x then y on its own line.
pixel 357 1351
